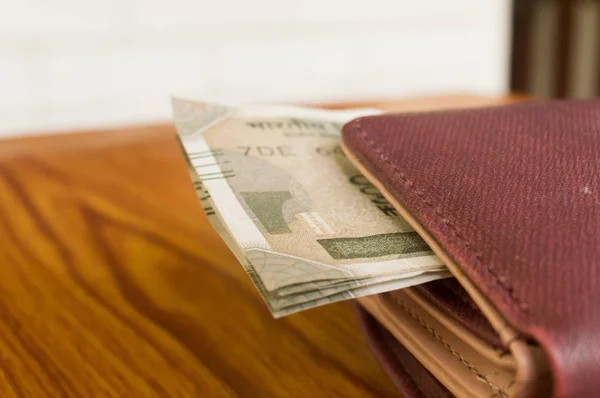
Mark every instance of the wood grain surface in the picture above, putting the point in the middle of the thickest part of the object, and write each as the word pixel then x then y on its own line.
pixel 113 284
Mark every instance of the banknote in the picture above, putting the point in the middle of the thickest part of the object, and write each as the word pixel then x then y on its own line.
pixel 306 226
pixel 301 296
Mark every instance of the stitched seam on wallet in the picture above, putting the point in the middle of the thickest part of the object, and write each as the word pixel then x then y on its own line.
pixel 410 185
pixel 455 353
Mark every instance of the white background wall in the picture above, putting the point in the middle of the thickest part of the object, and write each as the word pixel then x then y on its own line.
pixel 72 63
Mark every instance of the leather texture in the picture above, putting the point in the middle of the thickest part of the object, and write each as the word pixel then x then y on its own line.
pixel 512 195
pixel 407 374
pixel 465 366
pixel 449 296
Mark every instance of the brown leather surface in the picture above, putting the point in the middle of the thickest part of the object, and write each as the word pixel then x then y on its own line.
pixel 533 377
pixel 512 195
pixel 409 376
pixel 450 298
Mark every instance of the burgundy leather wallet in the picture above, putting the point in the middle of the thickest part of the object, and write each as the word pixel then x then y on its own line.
pixel 509 198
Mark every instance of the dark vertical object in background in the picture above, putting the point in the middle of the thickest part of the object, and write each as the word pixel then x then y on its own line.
pixel 522 16
pixel 561 63
pixel 563 53
pixel 598 57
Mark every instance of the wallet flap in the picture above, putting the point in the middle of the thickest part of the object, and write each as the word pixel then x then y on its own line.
pixel 511 195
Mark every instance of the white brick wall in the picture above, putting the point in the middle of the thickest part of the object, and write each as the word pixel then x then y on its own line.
pixel 77 63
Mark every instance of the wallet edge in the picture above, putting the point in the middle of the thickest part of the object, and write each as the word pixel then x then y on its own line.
pixel 527 356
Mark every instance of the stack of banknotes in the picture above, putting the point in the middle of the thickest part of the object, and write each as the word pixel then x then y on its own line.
pixel 307 227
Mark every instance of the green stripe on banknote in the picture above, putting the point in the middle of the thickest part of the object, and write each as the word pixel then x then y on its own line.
pixel 268 208
pixel 374 246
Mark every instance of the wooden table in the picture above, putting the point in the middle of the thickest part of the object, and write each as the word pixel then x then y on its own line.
pixel 113 284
